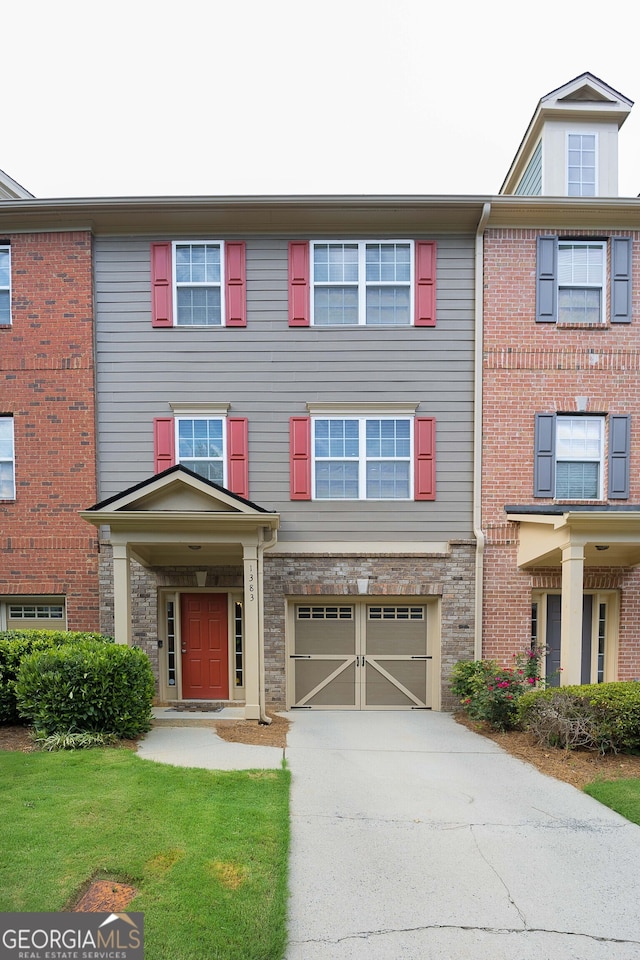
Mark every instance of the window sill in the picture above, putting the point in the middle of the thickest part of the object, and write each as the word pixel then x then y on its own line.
pixel 582 326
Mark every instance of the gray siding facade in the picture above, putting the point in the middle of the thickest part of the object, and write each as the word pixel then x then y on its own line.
pixel 268 372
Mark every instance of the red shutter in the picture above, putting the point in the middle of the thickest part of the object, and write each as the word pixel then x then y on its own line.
pixel 163 443
pixel 424 441
pixel 299 312
pixel 237 456
pixel 161 291
pixel 425 283
pixel 236 284
pixel 300 458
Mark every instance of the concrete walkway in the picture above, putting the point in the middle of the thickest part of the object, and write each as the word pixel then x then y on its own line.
pixel 413 838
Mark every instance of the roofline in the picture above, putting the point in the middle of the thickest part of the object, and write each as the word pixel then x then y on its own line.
pixel 293 216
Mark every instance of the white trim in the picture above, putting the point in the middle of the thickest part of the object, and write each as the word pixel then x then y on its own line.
pixel 361 283
pixel 361 548
pixel 11 459
pixel 6 247
pixel 200 409
pixel 201 284
pixel 363 459
pixel 362 409
pixel 177 420
pixel 582 132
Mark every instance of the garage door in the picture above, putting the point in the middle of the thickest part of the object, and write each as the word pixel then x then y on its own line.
pixel 361 656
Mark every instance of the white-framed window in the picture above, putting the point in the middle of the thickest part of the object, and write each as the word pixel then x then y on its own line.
pixel 5 285
pixel 579 458
pixel 198 289
pixel 581 164
pixel 362 458
pixel 7 460
pixel 581 281
pixel 201 446
pixel 362 282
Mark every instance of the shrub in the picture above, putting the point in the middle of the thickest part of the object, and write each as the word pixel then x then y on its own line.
pixel 14 646
pixel 604 715
pixel 75 741
pixel 490 692
pixel 87 687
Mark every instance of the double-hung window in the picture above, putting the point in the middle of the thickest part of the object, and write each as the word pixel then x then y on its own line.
pixel 570 462
pixel 198 283
pixel 579 458
pixel 200 446
pixel 202 438
pixel 198 272
pixel 581 275
pixel 7 460
pixel 571 280
pixel 5 285
pixel 361 458
pixel 581 166
pixel 362 282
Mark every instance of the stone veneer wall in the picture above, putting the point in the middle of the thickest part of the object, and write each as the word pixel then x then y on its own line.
pixel 451 577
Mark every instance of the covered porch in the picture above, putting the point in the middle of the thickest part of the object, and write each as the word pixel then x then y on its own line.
pixel 575 538
pixel 177 519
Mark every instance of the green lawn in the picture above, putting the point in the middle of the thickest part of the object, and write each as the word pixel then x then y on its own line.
pixel 623 796
pixel 207 850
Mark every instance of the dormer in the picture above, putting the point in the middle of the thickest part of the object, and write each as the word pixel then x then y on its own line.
pixel 570 148
pixel 11 190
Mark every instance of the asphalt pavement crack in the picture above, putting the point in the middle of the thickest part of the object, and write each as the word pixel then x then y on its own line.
pixel 493 869
pixel 470 928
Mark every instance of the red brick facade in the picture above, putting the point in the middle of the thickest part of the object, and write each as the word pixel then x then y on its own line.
pixel 533 368
pixel 47 386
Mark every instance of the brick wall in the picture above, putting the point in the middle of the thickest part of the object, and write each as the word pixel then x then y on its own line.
pixel 47 384
pixel 532 368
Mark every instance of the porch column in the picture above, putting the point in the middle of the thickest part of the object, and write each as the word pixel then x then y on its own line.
pixel 571 627
pixel 252 601
pixel 121 594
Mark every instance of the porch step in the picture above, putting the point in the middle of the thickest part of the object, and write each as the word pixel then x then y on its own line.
pixel 187 715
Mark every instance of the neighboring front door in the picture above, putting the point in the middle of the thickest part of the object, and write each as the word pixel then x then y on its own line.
pixel 205 646
pixel 554 627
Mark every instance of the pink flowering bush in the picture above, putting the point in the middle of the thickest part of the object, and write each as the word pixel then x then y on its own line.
pixel 488 691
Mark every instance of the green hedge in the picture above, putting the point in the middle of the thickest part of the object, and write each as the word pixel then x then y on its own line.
pixel 87 686
pixel 14 646
pixel 613 710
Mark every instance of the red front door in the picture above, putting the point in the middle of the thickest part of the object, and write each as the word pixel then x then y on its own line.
pixel 205 646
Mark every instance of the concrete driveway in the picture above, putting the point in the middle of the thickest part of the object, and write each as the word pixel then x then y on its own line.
pixel 413 838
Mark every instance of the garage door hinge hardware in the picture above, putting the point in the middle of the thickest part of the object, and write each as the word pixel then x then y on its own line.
pixel 301 656
pixel 420 658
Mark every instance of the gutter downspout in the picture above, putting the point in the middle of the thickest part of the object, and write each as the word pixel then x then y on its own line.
pixel 262 546
pixel 477 428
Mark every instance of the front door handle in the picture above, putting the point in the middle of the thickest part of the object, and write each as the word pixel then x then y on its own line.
pixel 184 650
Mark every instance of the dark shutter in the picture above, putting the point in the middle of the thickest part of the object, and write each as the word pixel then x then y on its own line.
pixel 619 451
pixel 425 458
pixel 547 280
pixel 544 466
pixel 300 457
pixel 621 253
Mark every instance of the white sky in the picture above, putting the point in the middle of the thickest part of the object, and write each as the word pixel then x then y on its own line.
pixel 135 97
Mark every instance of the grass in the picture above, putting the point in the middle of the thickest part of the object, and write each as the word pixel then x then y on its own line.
pixel 207 851
pixel 623 796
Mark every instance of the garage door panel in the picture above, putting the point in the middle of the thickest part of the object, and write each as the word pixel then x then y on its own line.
pixel 363 655
pixel 323 683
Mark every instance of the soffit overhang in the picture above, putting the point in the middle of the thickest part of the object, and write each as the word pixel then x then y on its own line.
pixel 610 538
pixel 289 217
pixel 566 213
